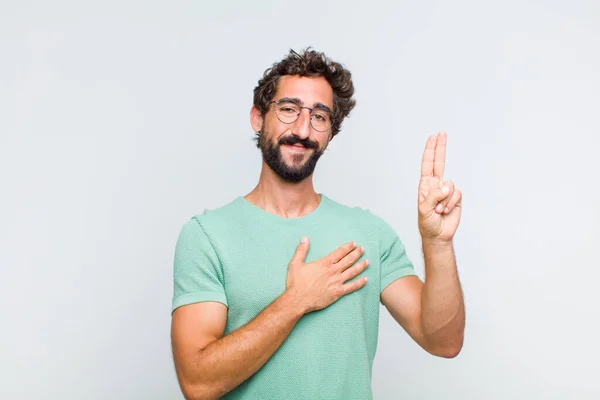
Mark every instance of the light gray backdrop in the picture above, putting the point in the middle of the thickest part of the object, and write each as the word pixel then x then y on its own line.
pixel 119 120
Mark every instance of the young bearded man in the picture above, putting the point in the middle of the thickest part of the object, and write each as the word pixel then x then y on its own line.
pixel 277 293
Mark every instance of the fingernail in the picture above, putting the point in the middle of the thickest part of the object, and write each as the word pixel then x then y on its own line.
pixel 438 208
pixel 445 189
pixel 446 210
pixel 304 239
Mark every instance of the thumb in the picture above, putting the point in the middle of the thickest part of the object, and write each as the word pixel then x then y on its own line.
pixel 301 251
pixel 436 196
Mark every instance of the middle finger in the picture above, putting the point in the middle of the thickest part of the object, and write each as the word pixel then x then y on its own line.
pixel 350 258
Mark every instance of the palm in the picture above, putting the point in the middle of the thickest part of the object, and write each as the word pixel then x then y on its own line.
pixel 437 224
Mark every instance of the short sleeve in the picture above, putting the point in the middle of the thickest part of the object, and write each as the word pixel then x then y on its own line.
pixel 394 261
pixel 197 271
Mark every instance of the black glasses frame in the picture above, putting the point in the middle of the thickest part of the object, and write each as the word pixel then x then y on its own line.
pixel 298 115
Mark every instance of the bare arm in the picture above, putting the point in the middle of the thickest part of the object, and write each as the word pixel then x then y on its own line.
pixel 443 310
pixel 216 364
pixel 433 313
pixel 209 364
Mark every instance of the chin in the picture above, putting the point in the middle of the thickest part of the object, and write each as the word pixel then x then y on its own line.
pixel 293 161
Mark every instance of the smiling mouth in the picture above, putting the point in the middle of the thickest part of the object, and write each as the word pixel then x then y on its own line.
pixel 296 147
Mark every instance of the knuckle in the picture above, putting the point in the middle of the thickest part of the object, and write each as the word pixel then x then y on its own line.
pixel 331 272
pixel 335 263
pixel 360 267
pixel 328 261
pixel 354 271
pixel 329 269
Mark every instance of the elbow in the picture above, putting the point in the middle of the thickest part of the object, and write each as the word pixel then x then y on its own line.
pixel 449 352
pixel 195 386
pixel 193 392
pixel 197 395
pixel 447 349
pixel 197 391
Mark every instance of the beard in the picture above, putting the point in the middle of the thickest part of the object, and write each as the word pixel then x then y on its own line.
pixel 273 157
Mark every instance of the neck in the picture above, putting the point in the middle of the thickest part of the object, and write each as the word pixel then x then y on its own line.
pixel 286 199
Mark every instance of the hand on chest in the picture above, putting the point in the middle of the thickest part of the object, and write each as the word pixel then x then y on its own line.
pixel 256 278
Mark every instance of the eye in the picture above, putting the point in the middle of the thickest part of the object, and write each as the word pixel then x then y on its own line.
pixel 321 116
pixel 288 108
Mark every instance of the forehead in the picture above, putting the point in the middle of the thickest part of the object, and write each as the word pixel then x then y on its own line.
pixel 311 90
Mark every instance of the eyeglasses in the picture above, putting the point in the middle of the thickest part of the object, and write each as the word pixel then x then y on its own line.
pixel 288 112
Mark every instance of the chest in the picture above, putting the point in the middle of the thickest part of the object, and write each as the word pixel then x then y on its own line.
pixel 255 274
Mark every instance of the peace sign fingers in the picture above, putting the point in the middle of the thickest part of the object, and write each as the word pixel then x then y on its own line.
pixel 434 156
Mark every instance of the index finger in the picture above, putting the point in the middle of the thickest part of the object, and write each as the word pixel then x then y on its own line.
pixel 428 157
pixel 440 155
pixel 341 251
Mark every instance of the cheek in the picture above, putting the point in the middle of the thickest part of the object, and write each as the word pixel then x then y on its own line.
pixel 274 129
pixel 323 142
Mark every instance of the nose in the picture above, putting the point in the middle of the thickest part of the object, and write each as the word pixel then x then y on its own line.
pixel 302 126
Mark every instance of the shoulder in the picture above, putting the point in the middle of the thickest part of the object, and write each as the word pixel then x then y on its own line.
pixel 224 213
pixel 356 213
pixel 210 219
pixel 369 221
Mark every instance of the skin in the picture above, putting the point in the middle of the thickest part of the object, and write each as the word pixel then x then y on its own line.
pixel 209 364
pixel 433 313
pixel 273 194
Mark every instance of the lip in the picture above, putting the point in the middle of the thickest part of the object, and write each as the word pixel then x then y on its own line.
pixel 296 147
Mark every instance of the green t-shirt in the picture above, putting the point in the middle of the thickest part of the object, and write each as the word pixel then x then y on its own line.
pixel 238 255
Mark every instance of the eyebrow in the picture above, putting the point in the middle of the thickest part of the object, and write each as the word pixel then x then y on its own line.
pixel 296 100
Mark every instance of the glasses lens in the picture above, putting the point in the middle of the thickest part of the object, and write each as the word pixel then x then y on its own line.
pixel 287 112
pixel 320 120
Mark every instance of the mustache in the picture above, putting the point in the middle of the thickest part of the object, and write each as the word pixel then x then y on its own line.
pixel 292 140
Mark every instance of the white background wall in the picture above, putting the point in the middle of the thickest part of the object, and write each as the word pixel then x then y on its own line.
pixel 119 120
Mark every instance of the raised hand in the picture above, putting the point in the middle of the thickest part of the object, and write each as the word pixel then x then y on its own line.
pixel 322 282
pixel 440 203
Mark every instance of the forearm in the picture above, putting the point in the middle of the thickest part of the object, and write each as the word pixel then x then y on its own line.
pixel 442 303
pixel 229 361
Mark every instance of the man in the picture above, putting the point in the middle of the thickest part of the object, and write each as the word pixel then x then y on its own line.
pixel 277 293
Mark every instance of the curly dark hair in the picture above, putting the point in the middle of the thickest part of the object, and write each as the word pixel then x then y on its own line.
pixel 312 64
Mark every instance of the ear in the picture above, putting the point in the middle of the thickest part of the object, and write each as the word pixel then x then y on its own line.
pixel 256 120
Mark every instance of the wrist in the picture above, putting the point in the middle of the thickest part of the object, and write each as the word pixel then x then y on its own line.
pixel 294 303
pixel 437 243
